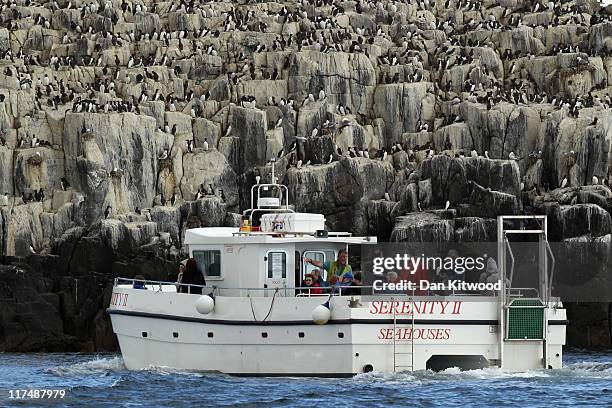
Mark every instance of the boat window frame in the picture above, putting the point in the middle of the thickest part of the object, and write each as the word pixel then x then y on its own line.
pixel 219 249
pixel 286 261
pixel 324 251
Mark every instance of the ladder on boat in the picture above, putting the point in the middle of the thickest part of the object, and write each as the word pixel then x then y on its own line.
pixel 403 351
pixel 524 319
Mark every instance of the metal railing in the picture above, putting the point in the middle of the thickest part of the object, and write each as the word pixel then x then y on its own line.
pixel 522 292
pixel 158 285
pixel 301 291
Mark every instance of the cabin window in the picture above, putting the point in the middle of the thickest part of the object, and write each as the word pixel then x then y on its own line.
pixel 322 255
pixel 277 265
pixel 209 262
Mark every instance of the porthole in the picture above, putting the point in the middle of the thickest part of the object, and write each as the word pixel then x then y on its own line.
pixel 145 334
pixel 175 335
pixel 341 335
pixel 210 334
pixel 264 335
pixel 301 334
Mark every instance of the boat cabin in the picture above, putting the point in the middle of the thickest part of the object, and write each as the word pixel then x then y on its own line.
pixel 259 263
pixel 266 254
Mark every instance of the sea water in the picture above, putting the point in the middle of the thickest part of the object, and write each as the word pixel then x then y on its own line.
pixel 101 380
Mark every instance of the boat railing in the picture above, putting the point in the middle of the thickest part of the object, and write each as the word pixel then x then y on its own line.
pixel 522 292
pixel 302 291
pixel 158 285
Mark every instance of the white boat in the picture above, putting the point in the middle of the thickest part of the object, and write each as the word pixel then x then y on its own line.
pixel 253 319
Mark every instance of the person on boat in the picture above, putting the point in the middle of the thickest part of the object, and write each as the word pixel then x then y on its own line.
pixel 415 276
pixel 339 267
pixel 176 275
pixel 393 277
pixel 490 271
pixel 491 275
pixel 139 282
pixel 181 271
pixel 445 276
pixel 317 278
pixel 343 285
pixel 310 286
pixel 333 280
pixel 354 288
pixel 192 276
pixel 494 277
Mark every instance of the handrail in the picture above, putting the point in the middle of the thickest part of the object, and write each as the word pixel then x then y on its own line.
pixel 519 294
pixel 284 234
pixel 334 290
pixel 511 260
pixel 161 283
pixel 552 271
pixel 522 217
pixel 278 210
pixel 281 187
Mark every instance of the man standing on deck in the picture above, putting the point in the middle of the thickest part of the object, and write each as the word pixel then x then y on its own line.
pixel 338 268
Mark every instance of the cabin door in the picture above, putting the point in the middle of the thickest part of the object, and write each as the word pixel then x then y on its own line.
pixel 276 271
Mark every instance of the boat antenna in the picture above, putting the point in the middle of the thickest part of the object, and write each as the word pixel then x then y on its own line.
pixel 272 161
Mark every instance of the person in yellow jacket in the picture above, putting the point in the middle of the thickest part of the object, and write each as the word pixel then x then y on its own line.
pixel 339 267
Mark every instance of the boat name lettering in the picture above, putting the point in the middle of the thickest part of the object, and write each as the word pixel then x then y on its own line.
pixel 425 307
pixel 119 299
pixel 420 333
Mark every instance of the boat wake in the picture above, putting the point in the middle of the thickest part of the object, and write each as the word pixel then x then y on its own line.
pixel 584 369
pixel 593 369
pixel 98 365
pixel 98 379
pixel 163 370
pixel 451 374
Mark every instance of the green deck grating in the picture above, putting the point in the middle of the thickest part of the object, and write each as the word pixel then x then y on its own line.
pixel 526 320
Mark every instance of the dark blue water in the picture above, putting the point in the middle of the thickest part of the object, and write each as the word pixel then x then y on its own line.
pixel 102 381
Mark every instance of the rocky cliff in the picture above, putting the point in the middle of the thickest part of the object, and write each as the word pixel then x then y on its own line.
pixel 123 123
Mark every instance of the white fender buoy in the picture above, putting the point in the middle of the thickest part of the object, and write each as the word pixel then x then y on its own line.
pixel 205 304
pixel 321 314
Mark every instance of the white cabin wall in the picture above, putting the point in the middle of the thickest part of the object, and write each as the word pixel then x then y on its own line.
pixel 242 268
pixel 314 245
pixel 234 260
pixel 289 248
pixel 243 265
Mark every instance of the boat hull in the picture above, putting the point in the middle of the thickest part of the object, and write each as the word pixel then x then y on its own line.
pixel 338 348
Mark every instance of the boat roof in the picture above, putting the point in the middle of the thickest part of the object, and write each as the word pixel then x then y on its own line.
pixel 231 235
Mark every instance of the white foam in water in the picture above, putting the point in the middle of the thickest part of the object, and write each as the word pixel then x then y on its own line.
pixel 389 378
pixel 495 372
pixel 164 370
pixel 97 365
pixel 594 369
pixel 589 369
pixel 453 373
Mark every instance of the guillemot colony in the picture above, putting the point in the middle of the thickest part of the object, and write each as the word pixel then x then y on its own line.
pixel 431 97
